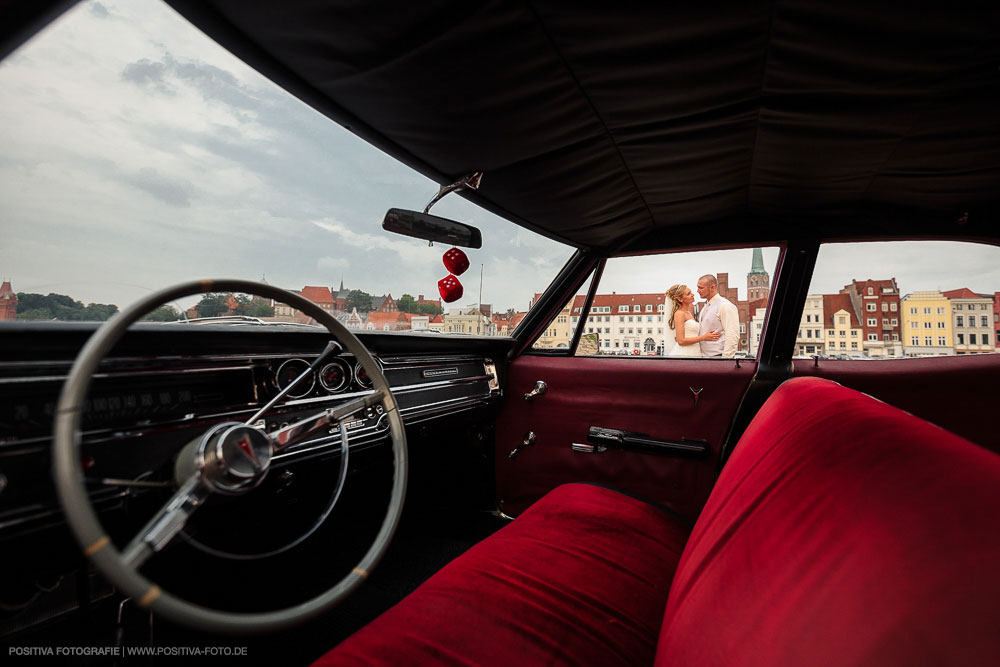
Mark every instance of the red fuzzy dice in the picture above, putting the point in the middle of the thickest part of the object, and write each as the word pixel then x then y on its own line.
pixel 450 288
pixel 455 261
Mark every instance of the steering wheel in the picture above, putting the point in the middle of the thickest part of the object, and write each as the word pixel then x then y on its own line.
pixel 230 458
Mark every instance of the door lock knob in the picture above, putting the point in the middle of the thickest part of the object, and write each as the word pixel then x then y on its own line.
pixel 529 439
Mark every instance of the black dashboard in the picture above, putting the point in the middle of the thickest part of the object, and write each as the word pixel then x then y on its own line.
pixel 164 385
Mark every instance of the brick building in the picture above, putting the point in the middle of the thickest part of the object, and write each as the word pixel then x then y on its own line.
pixel 8 302
pixel 876 305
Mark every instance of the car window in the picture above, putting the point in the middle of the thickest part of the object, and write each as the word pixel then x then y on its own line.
pixel 639 299
pixel 892 300
pixel 138 154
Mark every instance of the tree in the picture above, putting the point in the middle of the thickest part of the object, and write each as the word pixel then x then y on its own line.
pixel 360 300
pixel 407 304
pixel 61 307
pixel 428 309
pixel 212 305
pixel 255 309
pixel 165 313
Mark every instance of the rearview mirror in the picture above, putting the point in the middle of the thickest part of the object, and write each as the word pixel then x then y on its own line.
pixel 431 228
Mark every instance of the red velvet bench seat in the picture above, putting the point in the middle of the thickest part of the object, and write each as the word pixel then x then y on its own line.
pixel 841 532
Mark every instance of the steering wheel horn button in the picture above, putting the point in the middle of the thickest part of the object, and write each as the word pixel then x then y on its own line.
pixel 235 457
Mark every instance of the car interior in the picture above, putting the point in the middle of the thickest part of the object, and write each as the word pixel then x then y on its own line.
pixel 332 495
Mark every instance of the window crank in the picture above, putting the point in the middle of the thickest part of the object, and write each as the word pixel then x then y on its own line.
pixel 539 390
pixel 529 439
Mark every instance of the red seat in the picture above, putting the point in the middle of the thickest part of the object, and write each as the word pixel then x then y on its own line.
pixel 842 531
pixel 581 577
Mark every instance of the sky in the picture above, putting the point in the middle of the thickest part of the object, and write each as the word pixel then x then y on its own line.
pixel 138 154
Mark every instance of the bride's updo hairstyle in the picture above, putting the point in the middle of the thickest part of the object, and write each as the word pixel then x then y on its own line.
pixel 675 294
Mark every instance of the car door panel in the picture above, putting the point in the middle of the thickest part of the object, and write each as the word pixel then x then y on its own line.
pixel 651 396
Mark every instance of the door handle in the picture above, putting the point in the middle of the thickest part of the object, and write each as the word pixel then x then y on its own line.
pixel 539 390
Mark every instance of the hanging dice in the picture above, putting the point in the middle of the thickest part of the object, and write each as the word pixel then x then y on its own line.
pixel 450 288
pixel 456 261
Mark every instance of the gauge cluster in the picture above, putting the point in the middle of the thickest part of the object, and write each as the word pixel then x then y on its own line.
pixel 339 375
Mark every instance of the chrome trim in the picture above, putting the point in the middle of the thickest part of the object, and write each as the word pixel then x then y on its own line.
pixel 410 388
pixel 178 371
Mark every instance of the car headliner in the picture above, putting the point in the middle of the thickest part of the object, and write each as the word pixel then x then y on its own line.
pixel 621 129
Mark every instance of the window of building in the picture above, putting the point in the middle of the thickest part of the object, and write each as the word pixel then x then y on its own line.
pixel 941 325
pixel 873 336
pixel 854 333
pixel 649 307
pixel 854 345
pixel 841 320
pixel 885 307
pixel 940 310
pixel 928 325
pixel 913 311
pixel 927 311
pixel 892 306
pixel 958 306
pixel 895 322
pixel 895 336
pixel 622 309
pixel 984 320
pixel 843 334
pixel 636 309
pixel 961 339
pixel 871 307
pixel 928 341
pixel 915 340
pixel 872 322
pixel 941 341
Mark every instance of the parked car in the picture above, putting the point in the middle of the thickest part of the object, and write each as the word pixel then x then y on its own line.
pixel 172 485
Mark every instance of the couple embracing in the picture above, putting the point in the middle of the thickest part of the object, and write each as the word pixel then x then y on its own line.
pixel 714 333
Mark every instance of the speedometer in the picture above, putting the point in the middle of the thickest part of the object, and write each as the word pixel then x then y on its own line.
pixel 287 374
pixel 335 376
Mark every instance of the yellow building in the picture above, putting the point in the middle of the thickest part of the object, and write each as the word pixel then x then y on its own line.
pixel 557 334
pixel 467 321
pixel 927 325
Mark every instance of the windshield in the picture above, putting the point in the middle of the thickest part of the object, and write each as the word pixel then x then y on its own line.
pixel 138 154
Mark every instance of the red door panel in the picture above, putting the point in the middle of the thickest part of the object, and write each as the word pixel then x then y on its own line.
pixel 957 393
pixel 652 396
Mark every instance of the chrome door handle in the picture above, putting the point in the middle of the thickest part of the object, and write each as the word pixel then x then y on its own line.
pixel 539 390
pixel 529 439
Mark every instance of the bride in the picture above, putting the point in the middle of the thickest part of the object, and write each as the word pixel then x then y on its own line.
pixel 686 328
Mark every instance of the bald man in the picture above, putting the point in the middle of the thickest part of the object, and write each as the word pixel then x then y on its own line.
pixel 718 314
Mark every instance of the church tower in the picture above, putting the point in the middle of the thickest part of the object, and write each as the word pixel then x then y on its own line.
pixel 758 280
pixel 8 302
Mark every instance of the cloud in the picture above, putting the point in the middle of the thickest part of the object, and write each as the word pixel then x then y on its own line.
pixel 148 74
pixel 332 263
pixel 167 190
pixel 99 10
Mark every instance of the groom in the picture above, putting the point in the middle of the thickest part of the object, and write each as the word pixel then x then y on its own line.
pixel 718 314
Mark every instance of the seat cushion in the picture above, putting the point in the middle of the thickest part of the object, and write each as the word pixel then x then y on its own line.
pixel 842 531
pixel 580 578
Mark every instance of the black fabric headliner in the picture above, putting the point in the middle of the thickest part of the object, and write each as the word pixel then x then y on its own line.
pixel 613 126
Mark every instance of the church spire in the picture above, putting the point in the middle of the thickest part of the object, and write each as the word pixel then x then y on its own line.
pixel 758 262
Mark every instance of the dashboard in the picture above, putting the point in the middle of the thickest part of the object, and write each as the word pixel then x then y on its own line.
pixel 163 386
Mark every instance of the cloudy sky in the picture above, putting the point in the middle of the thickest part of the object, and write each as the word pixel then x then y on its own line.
pixel 137 153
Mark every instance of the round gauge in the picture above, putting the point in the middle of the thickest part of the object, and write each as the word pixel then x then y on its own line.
pixel 287 374
pixel 335 376
pixel 362 375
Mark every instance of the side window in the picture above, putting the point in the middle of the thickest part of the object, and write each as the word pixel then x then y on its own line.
pixel 933 283
pixel 636 291
pixel 558 335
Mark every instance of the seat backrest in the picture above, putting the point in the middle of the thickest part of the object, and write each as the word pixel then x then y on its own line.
pixel 842 531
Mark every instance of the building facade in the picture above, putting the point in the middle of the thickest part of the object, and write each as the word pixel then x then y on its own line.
pixel 8 302
pixel 972 321
pixel 842 329
pixel 927 328
pixel 876 303
pixel 810 338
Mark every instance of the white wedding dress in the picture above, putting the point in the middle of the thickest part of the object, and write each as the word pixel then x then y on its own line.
pixel 691 329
